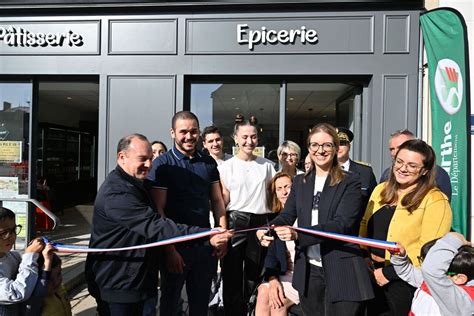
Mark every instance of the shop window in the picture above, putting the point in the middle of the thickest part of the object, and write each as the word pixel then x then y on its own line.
pixel 219 103
pixel 15 108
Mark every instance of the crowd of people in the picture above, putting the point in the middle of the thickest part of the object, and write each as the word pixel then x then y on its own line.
pixel 254 207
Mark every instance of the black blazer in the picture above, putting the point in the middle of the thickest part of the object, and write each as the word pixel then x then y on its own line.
pixel 345 271
pixel 367 180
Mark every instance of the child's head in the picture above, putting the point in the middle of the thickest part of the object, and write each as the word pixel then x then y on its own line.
pixel 8 230
pixel 55 278
pixel 425 248
pixel 461 269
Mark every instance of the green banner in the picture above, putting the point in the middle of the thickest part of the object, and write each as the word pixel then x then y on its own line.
pixel 445 39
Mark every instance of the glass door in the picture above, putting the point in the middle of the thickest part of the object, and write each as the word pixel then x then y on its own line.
pixel 219 103
pixel 15 112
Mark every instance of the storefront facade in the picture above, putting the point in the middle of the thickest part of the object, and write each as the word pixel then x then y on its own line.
pixel 290 65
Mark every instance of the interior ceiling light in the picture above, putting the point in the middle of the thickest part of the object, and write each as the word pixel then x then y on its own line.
pixel 69 98
pixel 292 99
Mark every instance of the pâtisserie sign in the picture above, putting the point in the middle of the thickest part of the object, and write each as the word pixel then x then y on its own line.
pixel 49 37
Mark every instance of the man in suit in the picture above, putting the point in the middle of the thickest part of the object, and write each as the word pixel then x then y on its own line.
pixel 367 177
pixel 396 140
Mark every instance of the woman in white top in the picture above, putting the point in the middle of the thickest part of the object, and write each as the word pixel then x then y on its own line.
pixel 289 154
pixel 244 180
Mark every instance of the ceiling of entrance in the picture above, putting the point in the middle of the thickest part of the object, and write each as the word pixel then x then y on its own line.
pixel 307 103
pixel 68 103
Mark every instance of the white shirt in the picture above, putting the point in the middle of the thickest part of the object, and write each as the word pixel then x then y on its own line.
pixel 314 252
pixel 345 166
pixel 247 184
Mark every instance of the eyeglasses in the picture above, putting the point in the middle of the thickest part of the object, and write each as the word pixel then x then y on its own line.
pixel 292 155
pixel 326 146
pixel 6 233
pixel 411 168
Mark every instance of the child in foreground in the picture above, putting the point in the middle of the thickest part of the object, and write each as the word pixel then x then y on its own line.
pixel 18 274
pixel 445 283
pixel 49 297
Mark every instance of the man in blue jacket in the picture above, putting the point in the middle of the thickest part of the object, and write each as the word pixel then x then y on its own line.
pixel 123 216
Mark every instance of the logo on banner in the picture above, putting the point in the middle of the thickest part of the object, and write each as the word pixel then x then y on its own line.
pixel 449 85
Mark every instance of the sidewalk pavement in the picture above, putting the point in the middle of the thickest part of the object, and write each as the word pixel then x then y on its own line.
pixel 74 230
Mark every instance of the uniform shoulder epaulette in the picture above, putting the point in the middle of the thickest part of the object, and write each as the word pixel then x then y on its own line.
pixel 363 163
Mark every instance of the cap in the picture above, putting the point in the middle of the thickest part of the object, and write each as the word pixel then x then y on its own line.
pixel 344 134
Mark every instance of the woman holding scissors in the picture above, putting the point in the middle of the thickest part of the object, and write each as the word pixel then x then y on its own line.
pixel 331 276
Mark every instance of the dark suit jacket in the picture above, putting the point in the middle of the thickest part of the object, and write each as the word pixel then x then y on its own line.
pixel 275 260
pixel 367 180
pixel 346 274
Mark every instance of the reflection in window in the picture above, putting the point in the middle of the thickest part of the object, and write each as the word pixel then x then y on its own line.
pixel 15 104
pixel 218 104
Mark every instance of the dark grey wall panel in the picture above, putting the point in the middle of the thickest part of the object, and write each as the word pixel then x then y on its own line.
pixel 139 104
pixel 49 38
pixel 396 34
pixel 395 109
pixel 336 34
pixel 139 37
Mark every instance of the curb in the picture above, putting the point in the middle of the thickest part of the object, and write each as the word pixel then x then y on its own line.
pixel 74 275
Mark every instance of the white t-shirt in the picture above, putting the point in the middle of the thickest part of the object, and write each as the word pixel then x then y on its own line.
pixel 221 161
pixel 314 252
pixel 247 183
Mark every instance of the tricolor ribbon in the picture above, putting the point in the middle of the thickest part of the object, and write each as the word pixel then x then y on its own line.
pixel 373 243
pixel 174 240
pixel 391 246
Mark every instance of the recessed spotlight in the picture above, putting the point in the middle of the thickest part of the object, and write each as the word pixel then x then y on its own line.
pixel 233 98
pixel 237 108
pixel 292 99
pixel 69 98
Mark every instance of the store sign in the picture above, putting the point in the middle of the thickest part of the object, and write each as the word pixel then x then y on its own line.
pixel 50 38
pixel 17 36
pixel 270 36
pixel 336 34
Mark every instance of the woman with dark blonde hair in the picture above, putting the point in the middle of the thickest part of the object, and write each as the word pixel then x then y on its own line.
pixel 408 209
pixel 278 190
pixel 277 294
pixel 330 276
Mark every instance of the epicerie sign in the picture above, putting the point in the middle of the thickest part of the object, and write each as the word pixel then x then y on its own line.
pixel 17 36
pixel 263 36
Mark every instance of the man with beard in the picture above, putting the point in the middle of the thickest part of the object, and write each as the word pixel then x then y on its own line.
pixel 123 216
pixel 212 141
pixel 184 185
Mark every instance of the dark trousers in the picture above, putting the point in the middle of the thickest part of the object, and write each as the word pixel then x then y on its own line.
pixel 243 264
pixel 399 296
pixel 119 309
pixel 200 267
pixel 315 302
